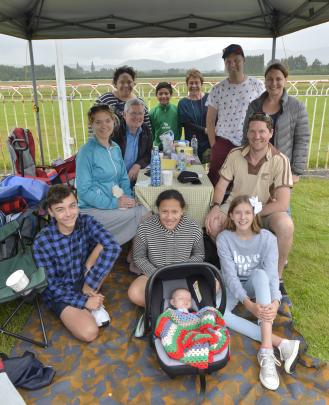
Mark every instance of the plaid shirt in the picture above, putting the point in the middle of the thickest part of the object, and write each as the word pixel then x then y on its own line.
pixel 64 257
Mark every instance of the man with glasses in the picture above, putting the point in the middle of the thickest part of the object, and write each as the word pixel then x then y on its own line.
pixel 134 138
pixel 227 105
pixel 258 170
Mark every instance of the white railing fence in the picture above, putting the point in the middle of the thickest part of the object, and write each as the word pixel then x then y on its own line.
pixel 16 110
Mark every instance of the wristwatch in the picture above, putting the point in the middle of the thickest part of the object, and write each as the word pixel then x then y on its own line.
pixel 216 204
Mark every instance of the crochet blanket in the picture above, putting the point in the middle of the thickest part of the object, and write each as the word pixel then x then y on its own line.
pixel 192 338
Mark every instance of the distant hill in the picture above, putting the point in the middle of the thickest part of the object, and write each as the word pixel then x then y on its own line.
pixel 215 62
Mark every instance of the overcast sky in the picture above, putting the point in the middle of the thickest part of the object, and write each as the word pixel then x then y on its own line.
pixel 115 51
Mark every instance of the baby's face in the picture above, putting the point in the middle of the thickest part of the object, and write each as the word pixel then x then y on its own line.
pixel 181 299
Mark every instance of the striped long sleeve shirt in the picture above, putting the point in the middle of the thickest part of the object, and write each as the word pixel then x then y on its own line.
pixel 156 246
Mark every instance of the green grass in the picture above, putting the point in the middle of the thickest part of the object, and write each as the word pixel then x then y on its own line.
pixel 307 275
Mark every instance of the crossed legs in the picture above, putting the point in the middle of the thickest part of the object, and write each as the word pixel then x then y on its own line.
pixel 80 322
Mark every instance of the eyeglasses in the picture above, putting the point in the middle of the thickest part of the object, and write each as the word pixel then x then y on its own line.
pixel 135 114
pixel 100 107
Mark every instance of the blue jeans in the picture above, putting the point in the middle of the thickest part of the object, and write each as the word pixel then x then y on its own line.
pixel 257 286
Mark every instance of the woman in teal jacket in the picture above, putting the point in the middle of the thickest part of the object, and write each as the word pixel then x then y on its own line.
pixel 101 179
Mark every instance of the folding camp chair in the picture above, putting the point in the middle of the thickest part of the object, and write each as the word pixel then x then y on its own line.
pixel 18 255
pixel 22 153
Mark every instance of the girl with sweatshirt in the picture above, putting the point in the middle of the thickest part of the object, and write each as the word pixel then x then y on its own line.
pixel 249 262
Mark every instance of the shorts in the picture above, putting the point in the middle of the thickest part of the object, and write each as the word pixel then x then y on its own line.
pixel 58 307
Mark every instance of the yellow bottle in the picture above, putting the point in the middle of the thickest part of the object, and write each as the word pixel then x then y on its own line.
pixel 182 138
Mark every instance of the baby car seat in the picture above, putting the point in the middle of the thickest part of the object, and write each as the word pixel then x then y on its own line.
pixel 199 279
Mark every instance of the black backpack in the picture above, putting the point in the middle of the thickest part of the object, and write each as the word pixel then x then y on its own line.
pixel 27 372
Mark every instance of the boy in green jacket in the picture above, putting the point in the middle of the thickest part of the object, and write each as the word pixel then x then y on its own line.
pixel 164 116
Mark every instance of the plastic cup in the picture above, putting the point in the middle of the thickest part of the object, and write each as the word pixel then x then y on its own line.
pixel 167 177
pixel 17 281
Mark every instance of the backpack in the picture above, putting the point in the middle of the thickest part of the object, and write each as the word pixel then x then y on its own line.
pixel 27 371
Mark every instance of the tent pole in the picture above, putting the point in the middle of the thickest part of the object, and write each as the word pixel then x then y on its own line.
pixel 35 97
pixel 273 48
pixel 62 100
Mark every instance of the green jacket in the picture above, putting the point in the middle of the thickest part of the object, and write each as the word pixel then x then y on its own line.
pixel 163 119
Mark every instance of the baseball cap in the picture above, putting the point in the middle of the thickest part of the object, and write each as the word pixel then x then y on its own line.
pixel 233 48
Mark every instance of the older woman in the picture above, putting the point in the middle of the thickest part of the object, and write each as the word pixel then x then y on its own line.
pixel 165 238
pixel 192 113
pixel 102 181
pixel 291 132
pixel 124 81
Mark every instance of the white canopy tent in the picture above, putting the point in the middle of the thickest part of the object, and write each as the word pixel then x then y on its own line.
pixel 63 19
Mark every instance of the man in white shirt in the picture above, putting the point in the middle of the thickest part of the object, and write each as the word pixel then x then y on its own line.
pixel 227 104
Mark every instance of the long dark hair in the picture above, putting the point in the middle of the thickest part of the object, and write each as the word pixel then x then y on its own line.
pixel 170 195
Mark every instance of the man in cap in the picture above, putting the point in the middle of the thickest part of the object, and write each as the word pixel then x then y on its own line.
pixel 227 104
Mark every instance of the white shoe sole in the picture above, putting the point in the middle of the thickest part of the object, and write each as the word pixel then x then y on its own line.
pixel 272 388
pixel 291 362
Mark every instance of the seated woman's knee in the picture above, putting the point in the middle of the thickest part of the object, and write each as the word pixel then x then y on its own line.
pixel 135 294
pixel 259 275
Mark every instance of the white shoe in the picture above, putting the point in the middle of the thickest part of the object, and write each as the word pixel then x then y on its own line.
pixel 268 375
pixel 289 350
pixel 101 316
pixel 140 327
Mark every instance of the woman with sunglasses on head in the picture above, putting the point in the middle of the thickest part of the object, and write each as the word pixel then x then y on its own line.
pixel 124 82
pixel 102 182
pixel 291 132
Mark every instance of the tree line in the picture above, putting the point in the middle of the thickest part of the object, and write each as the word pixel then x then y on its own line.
pixel 254 66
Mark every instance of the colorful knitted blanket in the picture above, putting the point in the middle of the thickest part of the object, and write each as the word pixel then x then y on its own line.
pixel 192 338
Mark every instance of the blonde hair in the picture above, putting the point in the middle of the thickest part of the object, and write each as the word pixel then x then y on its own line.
pixel 230 225
pixel 194 73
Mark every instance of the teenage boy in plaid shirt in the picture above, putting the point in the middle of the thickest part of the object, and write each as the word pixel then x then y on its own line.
pixel 77 254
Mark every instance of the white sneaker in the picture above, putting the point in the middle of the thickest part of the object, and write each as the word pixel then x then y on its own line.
pixel 140 327
pixel 268 375
pixel 289 350
pixel 101 316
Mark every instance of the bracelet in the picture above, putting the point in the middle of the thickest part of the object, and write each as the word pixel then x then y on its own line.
pixel 215 204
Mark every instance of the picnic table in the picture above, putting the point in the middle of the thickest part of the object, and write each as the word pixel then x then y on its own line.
pixel 198 197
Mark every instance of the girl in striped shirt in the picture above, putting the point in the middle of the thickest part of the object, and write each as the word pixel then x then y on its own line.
pixel 165 238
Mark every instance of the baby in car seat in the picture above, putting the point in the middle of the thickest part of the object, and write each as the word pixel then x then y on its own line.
pixel 181 299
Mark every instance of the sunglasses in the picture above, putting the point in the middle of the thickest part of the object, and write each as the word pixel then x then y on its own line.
pixel 100 107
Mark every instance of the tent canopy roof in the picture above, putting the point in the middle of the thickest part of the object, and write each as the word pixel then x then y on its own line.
pixel 60 19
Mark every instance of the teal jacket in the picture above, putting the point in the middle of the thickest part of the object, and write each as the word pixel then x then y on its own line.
pixel 98 170
pixel 163 119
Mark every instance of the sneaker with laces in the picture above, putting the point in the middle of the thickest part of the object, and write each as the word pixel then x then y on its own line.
pixel 268 375
pixel 140 327
pixel 289 350
pixel 101 316
pixel 282 289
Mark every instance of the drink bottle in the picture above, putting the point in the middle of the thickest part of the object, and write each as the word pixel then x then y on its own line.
pixel 194 145
pixel 155 167
pixel 181 161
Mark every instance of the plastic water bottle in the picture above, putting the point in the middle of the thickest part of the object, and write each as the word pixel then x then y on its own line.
pixel 181 161
pixel 155 167
pixel 194 145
